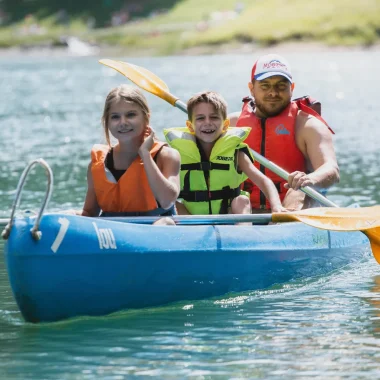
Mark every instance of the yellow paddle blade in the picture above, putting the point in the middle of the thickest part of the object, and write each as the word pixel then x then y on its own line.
pixel 142 78
pixel 147 74
pixel 365 219
pixel 374 238
pixel 335 218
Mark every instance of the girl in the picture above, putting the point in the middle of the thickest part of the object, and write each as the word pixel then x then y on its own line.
pixel 139 175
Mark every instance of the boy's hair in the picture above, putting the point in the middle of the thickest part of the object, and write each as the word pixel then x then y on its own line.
pixel 128 94
pixel 207 97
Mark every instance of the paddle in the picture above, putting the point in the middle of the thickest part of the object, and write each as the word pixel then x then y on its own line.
pixel 366 220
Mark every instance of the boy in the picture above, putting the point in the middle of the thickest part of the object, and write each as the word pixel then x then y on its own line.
pixel 215 161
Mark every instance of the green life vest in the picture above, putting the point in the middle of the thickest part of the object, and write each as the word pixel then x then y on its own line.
pixel 208 186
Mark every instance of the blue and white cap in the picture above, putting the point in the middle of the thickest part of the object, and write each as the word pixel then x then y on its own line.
pixel 270 65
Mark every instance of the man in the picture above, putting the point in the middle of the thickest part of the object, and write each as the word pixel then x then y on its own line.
pixel 289 133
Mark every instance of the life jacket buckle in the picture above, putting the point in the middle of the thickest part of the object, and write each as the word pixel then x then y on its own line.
pixel 205 166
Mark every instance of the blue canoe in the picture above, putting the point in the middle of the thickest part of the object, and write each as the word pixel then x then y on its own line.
pixel 94 266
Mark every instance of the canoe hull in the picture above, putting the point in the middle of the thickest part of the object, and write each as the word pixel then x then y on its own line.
pixel 88 266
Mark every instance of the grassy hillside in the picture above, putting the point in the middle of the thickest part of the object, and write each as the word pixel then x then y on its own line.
pixel 193 23
pixel 330 21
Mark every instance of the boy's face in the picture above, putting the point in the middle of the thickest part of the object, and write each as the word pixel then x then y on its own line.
pixel 207 123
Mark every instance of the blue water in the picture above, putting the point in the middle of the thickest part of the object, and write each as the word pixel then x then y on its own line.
pixel 322 327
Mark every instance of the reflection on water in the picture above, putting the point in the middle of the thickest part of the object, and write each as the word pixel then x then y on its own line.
pixel 325 322
pixel 318 327
pixel 373 299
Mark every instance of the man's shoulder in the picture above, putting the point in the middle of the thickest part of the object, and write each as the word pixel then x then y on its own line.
pixel 234 117
pixel 305 120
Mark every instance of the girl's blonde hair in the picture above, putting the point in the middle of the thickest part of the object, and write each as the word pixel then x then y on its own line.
pixel 128 94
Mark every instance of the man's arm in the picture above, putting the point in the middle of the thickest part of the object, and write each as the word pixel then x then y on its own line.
pixel 315 141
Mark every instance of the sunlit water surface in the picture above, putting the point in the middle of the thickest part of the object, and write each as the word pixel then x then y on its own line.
pixel 325 327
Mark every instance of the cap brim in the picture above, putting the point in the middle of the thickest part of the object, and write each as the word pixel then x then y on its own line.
pixel 272 74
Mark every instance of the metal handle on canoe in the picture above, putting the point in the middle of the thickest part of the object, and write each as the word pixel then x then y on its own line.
pixel 34 231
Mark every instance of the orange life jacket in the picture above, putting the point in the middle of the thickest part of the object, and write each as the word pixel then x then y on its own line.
pixel 274 138
pixel 131 194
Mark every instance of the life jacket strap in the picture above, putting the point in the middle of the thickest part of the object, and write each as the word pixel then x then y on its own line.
pixel 205 166
pixel 206 196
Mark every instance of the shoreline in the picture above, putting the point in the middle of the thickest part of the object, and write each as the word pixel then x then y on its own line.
pixel 228 48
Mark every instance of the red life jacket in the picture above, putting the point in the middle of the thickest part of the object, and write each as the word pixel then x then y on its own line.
pixel 131 194
pixel 274 138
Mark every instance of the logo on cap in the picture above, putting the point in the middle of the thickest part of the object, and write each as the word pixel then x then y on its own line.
pixel 274 64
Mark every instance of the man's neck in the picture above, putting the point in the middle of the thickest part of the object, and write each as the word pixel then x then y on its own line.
pixel 259 114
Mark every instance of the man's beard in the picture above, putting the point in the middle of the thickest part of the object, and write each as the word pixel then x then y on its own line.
pixel 269 110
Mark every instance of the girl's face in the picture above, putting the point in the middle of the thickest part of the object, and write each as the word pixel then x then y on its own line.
pixel 126 120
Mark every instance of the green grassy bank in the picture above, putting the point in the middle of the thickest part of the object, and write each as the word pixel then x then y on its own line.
pixel 198 23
